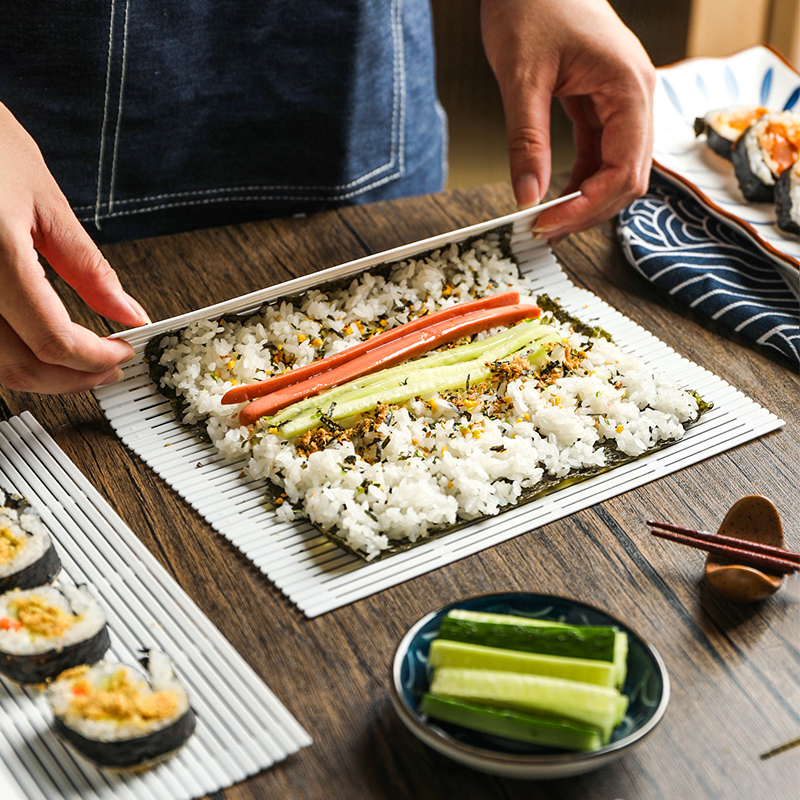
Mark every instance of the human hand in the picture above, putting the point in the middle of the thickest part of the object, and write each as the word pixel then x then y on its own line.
pixel 41 349
pixel 580 52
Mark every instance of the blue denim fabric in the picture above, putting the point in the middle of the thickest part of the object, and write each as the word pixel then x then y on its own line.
pixel 158 116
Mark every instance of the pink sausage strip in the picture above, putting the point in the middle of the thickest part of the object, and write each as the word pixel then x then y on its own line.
pixel 391 353
pixel 239 394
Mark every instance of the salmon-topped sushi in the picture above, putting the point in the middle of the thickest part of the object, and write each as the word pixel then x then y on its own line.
pixel 767 148
pixel 723 126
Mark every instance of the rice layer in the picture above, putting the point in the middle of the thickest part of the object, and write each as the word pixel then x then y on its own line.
pixel 438 459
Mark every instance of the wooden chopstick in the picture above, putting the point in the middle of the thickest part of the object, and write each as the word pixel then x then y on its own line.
pixel 775 559
pixel 742 544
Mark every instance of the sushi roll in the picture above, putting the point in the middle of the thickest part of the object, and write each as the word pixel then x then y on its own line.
pixel 768 147
pixel 787 199
pixel 723 126
pixel 27 555
pixel 118 718
pixel 46 630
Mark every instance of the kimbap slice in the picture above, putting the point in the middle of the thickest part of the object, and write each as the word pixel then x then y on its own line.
pixel 723 126
pixel 48 629
pixel 118 718
pixel 787 199
pixel 27 555
pixel 767 148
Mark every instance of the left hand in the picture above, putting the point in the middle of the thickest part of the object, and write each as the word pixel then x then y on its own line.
pixel 580 52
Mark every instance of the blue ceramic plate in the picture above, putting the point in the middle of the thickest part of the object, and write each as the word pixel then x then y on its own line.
pixel 647 686
pixel 757 76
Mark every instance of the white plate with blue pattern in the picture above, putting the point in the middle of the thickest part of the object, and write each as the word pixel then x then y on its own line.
pixel 757 76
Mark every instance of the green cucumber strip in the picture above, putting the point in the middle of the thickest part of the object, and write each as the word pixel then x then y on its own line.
pixel 454 376
pixel 621 658
pixel 596 706
pixel 501 619
pixel 525 331
pixel 620 649
pixel 512 724
pixel 557 640
pixel 417 382
pixel 622 707
pixel 444 653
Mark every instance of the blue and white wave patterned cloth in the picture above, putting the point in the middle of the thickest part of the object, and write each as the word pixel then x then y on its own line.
pixel 703 263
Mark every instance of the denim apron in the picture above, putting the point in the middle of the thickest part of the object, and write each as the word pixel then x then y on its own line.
pixel 157 116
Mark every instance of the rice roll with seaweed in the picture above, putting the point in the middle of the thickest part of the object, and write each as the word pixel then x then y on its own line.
pixel 767 148
pixel 48 629
pixel 27 555
pixel 787 199
pixel 723 126
pixel 118 718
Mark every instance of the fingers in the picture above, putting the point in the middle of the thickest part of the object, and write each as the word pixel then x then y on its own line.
pixel 22 371
pixel 612 166
pixel 527 112
pixel 69 249
pixel 579 51
pixel 41 349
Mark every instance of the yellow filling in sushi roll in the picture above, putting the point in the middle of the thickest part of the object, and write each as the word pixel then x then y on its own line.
pixel 120 699
pixel 10 545
pixel 40 617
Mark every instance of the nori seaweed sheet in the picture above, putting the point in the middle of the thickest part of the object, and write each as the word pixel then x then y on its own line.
pixel 546 486
pixel 41 667
pixel 139 751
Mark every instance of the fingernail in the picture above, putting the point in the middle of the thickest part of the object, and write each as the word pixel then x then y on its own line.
pixel 138 311
pixel 526 190
pixel 124 350
pixel 542 233
pixel 113 378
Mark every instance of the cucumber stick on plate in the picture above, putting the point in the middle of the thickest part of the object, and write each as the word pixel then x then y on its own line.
pixel 535 681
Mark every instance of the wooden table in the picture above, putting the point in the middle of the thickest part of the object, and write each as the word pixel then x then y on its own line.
pixel 735 669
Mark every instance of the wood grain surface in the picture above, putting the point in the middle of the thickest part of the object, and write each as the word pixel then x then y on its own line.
pixel 735 670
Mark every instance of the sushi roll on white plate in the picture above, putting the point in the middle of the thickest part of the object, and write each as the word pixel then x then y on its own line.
pixel 723 126
pixel 119 718
pixel 48 629
pixel 27 555
pixel 767 148
pixel 787 199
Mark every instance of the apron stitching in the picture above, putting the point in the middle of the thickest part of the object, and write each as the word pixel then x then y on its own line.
pixel 119 107
pixel 400 82
pixel 397 145
pixel 97 205
pixel 235 199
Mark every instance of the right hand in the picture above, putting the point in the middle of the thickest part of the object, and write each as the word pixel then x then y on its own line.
pixel 41 349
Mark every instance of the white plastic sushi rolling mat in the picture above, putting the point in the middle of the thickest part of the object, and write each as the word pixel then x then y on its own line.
pixel 306 567
pixel 242 728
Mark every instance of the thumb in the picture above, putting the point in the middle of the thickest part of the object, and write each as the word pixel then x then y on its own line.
pixel 72 253
pixel 527 112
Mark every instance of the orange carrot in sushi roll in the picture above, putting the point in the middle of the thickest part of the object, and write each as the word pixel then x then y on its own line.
pixel 409 346
pixel 240 394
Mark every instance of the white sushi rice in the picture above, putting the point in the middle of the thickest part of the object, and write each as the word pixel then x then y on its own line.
pixel 794 193
pixel 437 465
pixel 25 524
pixel 77 601
pixel 160 678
